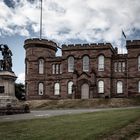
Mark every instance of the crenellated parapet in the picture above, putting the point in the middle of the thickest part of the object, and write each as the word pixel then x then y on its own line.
pixel 132 44
pixel 36 42
pixel 119 56
pixel 88 46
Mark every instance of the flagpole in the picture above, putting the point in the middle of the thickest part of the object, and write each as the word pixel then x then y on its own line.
pixel 123 36
pixel 41 20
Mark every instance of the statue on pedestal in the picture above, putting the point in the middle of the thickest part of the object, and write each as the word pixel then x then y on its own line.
pixel 8 102
pixel 6 62
pixel 7 77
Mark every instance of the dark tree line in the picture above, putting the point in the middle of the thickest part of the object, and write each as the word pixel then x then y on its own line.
pixel 20 91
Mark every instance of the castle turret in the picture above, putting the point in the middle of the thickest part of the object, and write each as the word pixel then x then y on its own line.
pixel 38 66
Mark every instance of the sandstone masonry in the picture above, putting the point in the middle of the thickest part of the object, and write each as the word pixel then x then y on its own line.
pixel 82 72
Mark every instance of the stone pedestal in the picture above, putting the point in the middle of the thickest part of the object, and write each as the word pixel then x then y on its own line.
pixel 7 88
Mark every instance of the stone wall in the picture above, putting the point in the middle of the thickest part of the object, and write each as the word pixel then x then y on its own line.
pixel 36 49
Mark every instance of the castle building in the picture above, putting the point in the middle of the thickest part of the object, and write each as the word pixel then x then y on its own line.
pixel 82 72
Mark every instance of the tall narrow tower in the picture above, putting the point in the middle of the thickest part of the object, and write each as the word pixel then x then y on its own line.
pixel 39 54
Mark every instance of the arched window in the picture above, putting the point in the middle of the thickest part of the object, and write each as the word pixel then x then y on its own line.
pixel 57 89
pixel 40 89
pixel 85 63
pixel 139 87
pixel 70 84
pixel 101 63
pixel 27 66
pixel 139 63
pixel 41 66
pixel 71 64
pixel 119 87
pixel 101 87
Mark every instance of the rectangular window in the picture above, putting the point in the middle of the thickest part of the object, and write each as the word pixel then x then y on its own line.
pixel 56 89
pixel 119 67
pixel 115 67
pixel 41 66
pixel 139 87
pixel 1 89
pixel 71 64
pixel 139 63
pixel 123 66
pixel 60 66
pixel 53 69
pixel 57 69
pixel 139 67
pixel 101 63
pixel 100 87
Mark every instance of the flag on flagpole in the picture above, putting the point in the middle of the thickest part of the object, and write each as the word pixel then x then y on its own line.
pixel 123 34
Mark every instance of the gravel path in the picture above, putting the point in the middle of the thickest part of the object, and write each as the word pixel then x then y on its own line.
pixel 48 113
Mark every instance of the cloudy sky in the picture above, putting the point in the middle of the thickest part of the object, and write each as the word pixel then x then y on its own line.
pixel 66 21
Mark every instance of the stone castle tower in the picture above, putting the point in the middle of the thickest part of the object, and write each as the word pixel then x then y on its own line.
pixel 84 71
pixel 38 52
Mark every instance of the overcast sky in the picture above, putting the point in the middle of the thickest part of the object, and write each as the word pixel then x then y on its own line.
pixel 66 21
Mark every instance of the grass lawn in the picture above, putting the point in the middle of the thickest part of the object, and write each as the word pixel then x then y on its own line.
pixel 87 126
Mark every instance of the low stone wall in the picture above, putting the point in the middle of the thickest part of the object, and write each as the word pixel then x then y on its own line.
pixel 9 110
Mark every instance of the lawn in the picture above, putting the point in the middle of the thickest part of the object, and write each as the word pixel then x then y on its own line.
pixel 87 126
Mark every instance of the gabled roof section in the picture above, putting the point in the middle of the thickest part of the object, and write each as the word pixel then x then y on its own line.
pixel 84 75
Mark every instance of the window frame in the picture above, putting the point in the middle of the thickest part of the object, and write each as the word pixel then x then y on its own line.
pixel 139 63
pixel 101 86
pixel 26 66
pixel 86 62
pixel 57 69
pixel 138 86
pixel 41 66
pixel 70 64
pixel 69 88
pixel 101 63
pixel 41 87
pixel 57 90
pixel 122 86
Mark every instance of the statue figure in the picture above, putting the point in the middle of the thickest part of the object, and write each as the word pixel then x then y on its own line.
pixel 6 63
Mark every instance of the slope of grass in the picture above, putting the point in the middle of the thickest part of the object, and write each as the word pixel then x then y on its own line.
pixel 87 126
pixel 78 103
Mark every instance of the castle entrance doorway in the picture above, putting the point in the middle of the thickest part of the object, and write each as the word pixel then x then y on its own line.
pixel 85 91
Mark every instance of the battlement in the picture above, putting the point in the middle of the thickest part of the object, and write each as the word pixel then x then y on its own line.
pixel 87 46
pixel 120 56
pixel 133 43
pixel 33 42
pixel 80 46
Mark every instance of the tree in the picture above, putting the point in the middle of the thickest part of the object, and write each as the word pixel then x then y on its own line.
pixel 20 91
